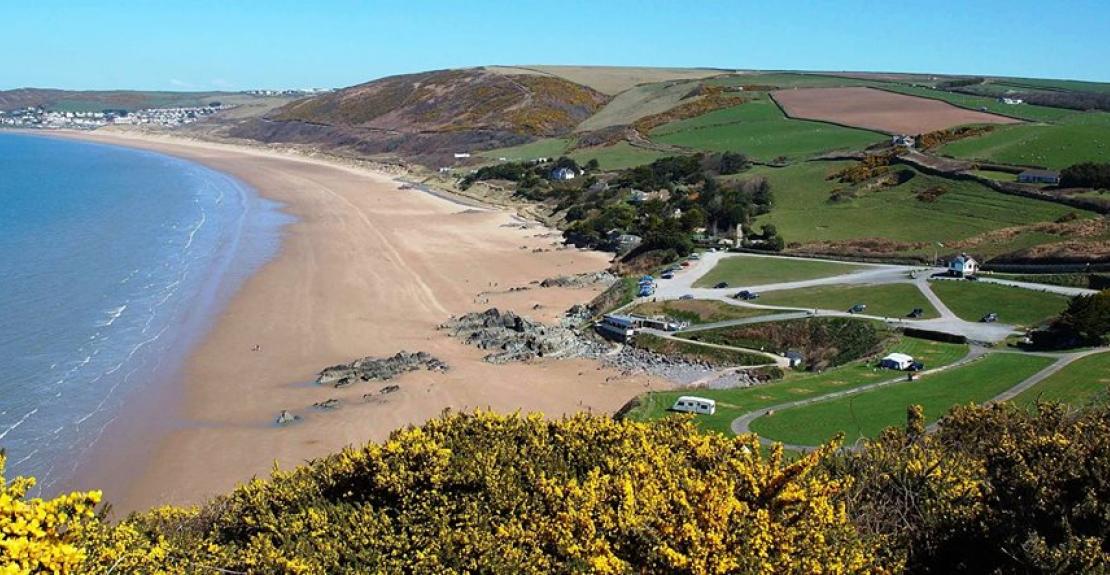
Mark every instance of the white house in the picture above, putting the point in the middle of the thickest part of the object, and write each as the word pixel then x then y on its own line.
pixel 1011 101
pixel 461 155
pixel 899 361
pixel 563 174
pixel 963 265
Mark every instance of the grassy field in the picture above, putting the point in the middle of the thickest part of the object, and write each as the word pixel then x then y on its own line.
pixel 1023 111
pixel 1070 85
pixel 618 156
pixel 694 352
pixel 753 271
pixel 889 300
pixel 803 212
pixel 546 148
pixel 993 175
pixel 1082 137
pixel 1019 306
pixel 1083 381
pixel 732 403
pixel 699 311
pixel 868 413
pixel 759 129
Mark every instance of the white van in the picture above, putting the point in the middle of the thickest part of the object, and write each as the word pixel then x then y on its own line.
pixel 691 404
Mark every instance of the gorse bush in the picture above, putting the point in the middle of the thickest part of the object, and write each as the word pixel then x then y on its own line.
pixel 994 490
pixel 494 494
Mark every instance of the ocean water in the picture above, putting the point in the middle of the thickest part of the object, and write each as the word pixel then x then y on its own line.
pixel 113 262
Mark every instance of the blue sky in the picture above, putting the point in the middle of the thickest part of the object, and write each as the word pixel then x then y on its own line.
pixel 241 44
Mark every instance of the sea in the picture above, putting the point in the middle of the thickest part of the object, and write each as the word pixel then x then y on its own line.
pixel 113 264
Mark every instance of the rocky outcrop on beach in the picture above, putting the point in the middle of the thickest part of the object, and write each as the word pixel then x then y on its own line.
pixel 515 338
pixel 588 279
pixel 286 417
pixel 577 315
pixel 378 368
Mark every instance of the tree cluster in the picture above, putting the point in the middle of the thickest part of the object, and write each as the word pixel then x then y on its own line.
pixel 1086 322
pixel 1086 175
pixel 693 197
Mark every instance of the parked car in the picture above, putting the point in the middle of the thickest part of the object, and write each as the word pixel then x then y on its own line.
pixel 916 366
pixel 989 318
pixel 745 295
pixel 687 296
pixel 858 308
pixel 695 257
pixel 721 285
pixel 971 278
pixel 916 313
pixel 686 264
pixel 667 275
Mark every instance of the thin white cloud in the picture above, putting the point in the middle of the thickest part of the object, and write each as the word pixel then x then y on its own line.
pixel 181 83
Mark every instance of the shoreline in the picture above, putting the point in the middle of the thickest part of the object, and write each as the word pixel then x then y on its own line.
pixel 367 269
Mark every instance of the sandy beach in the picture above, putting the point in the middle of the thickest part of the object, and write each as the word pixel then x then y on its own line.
pixel 367 269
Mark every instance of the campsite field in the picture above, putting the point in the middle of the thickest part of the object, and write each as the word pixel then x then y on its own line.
pixel 868 413
pixel 972 300
pixel 1082 137
pixel 742 271
pixel 894 219
pixel 732 403
pixel 1023 111
pixel 699 311
pixel 889 300
pixel 760 130
pixel 879 110
pixel 1084 380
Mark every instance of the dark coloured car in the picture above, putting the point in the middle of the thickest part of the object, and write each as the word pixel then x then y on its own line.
pixel 989 318
pixel 916 366
pixel 687 296
pixel 916 313
pixel 667 275
pixel 745 295
pixel 972 278
pixel 721 285
pixel 858 308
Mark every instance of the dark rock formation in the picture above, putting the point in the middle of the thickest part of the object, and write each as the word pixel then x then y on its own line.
pixel 378 369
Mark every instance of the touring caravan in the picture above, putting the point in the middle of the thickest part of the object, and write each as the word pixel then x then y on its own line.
pixel 691 404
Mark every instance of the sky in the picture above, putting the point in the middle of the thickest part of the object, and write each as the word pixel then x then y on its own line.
pixel 252 44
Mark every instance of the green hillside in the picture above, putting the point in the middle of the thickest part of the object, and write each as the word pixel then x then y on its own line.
pixel 1078 137
pixel 760 130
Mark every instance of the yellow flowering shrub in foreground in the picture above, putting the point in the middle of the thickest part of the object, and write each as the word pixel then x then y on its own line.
pixel 38 536
pixel 498 494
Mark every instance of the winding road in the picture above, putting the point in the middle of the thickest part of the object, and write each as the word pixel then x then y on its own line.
pixel 873 274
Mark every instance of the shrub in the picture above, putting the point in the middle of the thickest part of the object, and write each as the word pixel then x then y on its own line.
pixel 504 494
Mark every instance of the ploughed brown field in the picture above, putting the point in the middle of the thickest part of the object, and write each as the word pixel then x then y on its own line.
pixel 879 110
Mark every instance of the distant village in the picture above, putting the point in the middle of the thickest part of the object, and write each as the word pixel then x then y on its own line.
pixel 38 117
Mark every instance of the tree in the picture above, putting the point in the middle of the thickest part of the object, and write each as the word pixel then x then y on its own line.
pixel 592 165
pixel 1088 317
pixel 1086 175
pixel 732 163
